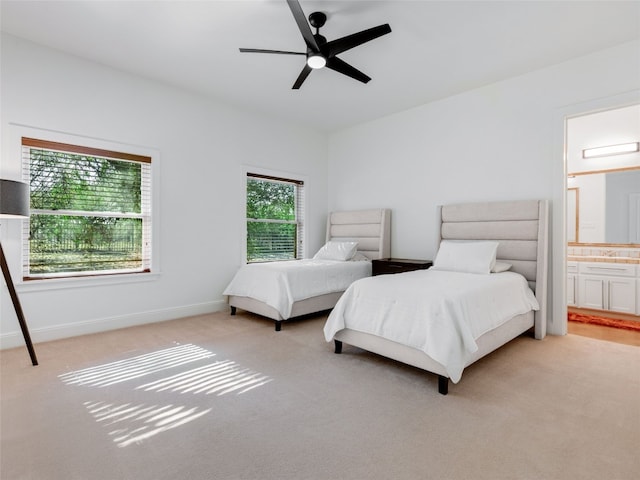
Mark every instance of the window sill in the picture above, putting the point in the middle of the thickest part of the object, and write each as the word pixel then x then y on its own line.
pixel 83 282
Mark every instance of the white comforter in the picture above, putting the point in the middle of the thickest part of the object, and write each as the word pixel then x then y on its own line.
pixel 438 312
pixel 280 284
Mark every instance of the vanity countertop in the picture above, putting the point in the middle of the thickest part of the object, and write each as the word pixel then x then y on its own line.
pixel 602 258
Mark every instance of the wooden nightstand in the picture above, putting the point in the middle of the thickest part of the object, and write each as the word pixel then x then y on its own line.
pixel 385 266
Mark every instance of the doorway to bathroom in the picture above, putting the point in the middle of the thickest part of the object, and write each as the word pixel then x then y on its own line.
pixel 603 221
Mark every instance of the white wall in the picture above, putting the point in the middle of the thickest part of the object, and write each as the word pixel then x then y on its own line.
pixel 500 142
pixel 203 146
pixel 503 141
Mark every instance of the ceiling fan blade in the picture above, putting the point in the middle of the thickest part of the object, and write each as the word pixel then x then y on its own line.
pixel 334 63
pixel 303 25
pixel 259 50
pixel 302 77
pixel 343 44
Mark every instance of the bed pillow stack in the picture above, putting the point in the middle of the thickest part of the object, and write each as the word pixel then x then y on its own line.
pixel 332 250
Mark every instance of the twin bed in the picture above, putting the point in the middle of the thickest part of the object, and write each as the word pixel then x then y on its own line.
pixel 481 301
pixel 285 290
pixel 487 286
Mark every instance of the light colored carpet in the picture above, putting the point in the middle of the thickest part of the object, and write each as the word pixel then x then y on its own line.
pixel 222 397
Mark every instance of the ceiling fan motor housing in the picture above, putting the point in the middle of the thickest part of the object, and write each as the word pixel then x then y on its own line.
pixel 317 19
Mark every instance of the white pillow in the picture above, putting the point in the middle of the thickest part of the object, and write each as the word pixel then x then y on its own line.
pixel 360 257
pixel 337 251
pixel 500 267
pixel 466 256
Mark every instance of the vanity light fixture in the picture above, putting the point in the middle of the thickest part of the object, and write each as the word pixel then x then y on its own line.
pixel 611 150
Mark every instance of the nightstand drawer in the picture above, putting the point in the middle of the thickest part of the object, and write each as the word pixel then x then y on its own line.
pixel 386 266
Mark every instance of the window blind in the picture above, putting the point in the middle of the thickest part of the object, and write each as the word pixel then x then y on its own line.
pixel 90 210
pixel 275 218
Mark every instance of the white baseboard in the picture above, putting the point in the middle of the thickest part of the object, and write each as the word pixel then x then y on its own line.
pixel 66 330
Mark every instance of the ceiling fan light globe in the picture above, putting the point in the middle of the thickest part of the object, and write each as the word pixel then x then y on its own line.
pixel 316 61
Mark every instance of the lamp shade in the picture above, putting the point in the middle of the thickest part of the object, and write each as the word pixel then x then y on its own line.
pixel 14 199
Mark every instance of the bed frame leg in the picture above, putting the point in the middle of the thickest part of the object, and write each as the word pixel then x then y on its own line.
pixel 278 325
pixel 233 310
pixel 443 384
pixel 338 344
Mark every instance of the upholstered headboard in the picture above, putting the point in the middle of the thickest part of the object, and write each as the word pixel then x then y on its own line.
pixel 521 227
pixel 370 228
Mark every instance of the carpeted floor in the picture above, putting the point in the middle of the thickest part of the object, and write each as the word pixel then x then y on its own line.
pixel 221 397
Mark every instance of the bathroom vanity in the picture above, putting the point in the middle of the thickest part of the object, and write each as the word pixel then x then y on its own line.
pixel 604 282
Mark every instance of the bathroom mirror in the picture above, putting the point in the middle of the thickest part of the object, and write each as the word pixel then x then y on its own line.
pixel 604 207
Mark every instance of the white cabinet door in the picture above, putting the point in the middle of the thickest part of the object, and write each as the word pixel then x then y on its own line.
pixel 591 292
pixel 572 289
pixel 608 286
pixel 616 294
pixel 622 295
pixel 572 284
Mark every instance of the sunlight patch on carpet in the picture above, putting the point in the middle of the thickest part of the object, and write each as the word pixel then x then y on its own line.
pixel 219 377
pixel 135 422
pixel 129 423
pixel 136 367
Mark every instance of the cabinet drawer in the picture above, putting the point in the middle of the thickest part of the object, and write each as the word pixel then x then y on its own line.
pixel 617 269
pixel 572 267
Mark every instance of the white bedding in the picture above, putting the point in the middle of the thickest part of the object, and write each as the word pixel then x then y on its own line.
pixel 441 313
pixel 280 284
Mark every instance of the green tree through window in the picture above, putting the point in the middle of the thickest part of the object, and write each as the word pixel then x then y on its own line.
pixel 89 213
pixel 274 223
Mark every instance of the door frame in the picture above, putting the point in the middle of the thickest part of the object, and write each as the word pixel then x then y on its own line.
pixel 557 323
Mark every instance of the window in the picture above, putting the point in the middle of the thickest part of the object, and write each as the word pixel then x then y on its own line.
pixel 275 216
pixel 90 211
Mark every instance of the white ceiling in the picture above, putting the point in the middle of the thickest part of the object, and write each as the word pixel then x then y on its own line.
pixel 436 48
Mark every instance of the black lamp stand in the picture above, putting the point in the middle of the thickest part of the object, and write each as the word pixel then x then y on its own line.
pixel 17 306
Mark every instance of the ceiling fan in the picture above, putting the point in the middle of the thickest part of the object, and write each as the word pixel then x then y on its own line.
pixel 321 53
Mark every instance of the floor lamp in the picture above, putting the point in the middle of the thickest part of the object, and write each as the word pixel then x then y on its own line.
pixel 14 203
